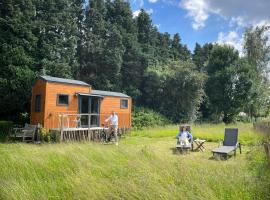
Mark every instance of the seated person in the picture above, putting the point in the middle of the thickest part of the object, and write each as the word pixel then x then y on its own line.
pixel 184 138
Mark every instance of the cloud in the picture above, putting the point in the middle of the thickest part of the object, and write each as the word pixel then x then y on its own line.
pixel 152 1
pixel 233 39
pixel 238 12
pixel 197 10
pixel 158 26
pixel 137 12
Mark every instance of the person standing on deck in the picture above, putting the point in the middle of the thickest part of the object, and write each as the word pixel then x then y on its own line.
pixel 113 126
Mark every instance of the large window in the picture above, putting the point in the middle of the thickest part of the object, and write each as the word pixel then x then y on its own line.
pixel 62 99
pixel 124 103
pixel 38 103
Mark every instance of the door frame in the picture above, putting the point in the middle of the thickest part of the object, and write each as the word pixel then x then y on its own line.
pixel 90 98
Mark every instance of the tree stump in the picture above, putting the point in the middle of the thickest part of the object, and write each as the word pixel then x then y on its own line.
pixel 267 151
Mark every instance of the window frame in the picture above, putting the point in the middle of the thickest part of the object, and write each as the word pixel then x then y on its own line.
pixel 121 105
pixel 62 104
pixel 38 107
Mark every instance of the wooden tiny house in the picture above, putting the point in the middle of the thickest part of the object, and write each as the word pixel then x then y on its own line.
pixel 70 103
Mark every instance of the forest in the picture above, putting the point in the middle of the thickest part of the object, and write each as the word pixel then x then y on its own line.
pixel 102 43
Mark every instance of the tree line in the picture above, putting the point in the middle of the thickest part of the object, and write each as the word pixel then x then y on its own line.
pixel 102 43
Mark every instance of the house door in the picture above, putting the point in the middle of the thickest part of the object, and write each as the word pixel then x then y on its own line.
pixel 89 107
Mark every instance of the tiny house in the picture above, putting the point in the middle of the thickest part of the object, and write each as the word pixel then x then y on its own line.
pixel 72 103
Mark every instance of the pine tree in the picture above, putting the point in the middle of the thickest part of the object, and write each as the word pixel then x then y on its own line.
pixel 92 41
pixel 57 31
pixel 17 45
pixel 179 51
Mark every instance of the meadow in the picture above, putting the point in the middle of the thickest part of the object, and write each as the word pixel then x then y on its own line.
pixel 143 166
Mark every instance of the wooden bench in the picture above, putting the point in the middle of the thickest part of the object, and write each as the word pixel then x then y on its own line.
pixel 27 133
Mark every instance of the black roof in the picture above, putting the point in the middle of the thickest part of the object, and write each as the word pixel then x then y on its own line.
pixel 107 93
pixel 63 80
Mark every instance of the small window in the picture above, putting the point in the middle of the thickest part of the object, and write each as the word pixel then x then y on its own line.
pixel 62 99
pixel 38 103
pixel 124 103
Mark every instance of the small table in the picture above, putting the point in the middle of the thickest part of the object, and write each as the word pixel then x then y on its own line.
pixel 199 144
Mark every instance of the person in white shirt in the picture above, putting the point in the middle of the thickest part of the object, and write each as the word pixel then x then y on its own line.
pixel 184 137
pixel 113 126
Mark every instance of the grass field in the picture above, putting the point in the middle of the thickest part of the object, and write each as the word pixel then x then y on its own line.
pixel 143 166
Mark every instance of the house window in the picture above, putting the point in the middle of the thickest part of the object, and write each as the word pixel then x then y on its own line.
pixel 38 103
pixel 62 99
pixel 124 103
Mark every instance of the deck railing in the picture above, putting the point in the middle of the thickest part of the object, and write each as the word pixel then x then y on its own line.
pixel 70 120
pixel 77 127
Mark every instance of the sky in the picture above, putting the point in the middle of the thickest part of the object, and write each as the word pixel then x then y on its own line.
pixel 202 21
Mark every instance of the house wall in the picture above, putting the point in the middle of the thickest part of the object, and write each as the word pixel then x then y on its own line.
pixel 53 110
pixel 38 88
pixel 109 104
pixel 50 111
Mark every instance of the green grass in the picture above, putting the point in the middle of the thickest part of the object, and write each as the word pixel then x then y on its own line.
pixel 210 132
pixel 141 167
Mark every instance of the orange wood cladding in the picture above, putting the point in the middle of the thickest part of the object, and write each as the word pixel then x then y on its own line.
pixel 49 113
pixel 38 89
pixel 109 104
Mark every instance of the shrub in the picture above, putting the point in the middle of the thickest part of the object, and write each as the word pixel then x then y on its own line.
pixel 143 117
pixel 5 129
pixel 24 118
pixel 47 136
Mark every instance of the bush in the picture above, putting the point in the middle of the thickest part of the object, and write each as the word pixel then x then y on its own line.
pixel 24 118
pixel 5 129
pixel 47 136
pixel 143 117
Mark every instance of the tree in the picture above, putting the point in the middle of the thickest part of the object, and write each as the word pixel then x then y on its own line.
pixel 133 68
pixel 144 24
pixel 17 45
pixel 162 48
pixel 201 55
pixel 228 84
pixel 257 52
pixel 93 36
pixel 112 61
pixel 133 62
pixel 257 49
pixel 179 51
pixel 174 90
pixel 57 33
pixel 198 57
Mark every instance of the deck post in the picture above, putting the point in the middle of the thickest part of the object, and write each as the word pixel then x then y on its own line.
pixel 61 127
pixel 89 120
pixel 267 151
pixel 39 126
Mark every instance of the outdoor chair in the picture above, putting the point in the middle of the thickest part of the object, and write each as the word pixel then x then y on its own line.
pixel 27 133
pixel 184 148
pixel 230 143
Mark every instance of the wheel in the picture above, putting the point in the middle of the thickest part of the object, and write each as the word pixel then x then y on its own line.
pixel 103 136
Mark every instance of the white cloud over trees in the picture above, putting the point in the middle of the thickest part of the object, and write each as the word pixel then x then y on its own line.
pixel 240 12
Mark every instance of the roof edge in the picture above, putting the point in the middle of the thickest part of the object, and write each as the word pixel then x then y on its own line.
pixel 62 82
pixel 110 93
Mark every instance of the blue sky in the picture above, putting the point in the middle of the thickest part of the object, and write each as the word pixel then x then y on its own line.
pixel 221 21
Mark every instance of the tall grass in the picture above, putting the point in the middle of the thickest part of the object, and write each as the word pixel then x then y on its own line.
pixel 139 168
pixel 210 132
